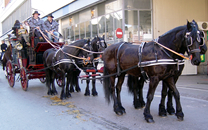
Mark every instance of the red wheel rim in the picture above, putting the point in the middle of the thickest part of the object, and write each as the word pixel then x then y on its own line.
pixel 24 81
pixel 10 74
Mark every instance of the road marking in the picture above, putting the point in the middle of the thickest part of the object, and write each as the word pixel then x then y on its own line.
pixel 203 90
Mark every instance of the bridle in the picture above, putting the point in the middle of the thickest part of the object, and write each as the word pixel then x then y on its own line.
pixel 101 43
pixel 189 42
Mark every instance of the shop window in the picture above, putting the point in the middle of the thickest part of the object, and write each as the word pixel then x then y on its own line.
pixel 88 29
pixel 76 32
pixel 101 26
pixel 145 26
pixel 94 23
pixel 118 17
pixel 131 26
pixel 109 27
pixel 71 31
pixel 137 4
pixel 82 30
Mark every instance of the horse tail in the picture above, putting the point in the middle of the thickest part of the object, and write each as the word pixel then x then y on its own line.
pixel 106 85
pixel 131 82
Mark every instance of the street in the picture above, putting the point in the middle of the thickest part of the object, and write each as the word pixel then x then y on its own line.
pixel 35 110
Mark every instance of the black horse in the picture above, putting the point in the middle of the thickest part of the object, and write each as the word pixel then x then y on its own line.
pixel 136 85
pixel 98 45
pixel 181 39
pixel 61 62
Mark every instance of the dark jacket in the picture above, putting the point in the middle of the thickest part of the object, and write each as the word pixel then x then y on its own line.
pixel 51 26
pixel 33 23
pixel 3 47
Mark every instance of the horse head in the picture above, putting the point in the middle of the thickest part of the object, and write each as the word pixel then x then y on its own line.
pixel 192 41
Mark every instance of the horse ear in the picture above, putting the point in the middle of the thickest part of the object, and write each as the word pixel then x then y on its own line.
pixel 188 25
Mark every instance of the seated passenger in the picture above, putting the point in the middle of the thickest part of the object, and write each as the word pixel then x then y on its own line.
pixel 23 33
pixel 51 28
pixel 36 24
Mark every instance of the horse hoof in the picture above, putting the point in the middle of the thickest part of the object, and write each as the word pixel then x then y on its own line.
pixel 150 121
pixel 171 110
pixel 119 113
pixel 94 93
pixel 87 93
pixel 49 93
pixel 71 90
pixel 78 89
pixel 69 95
pixel 55 93
pixel 180 118
pixel 163 115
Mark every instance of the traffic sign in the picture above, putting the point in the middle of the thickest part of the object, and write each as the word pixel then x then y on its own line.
pixel 119 33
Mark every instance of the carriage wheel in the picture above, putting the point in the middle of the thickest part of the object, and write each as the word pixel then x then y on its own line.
pixel 42 80
pixel 60 81
pixel 24 79
pixel 10 73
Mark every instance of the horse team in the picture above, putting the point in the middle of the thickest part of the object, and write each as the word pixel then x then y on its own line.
pixel 118 58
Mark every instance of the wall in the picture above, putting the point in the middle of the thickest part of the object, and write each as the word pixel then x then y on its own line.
pixel 168 14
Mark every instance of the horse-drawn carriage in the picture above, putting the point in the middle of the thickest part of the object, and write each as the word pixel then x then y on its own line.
pixel 27 60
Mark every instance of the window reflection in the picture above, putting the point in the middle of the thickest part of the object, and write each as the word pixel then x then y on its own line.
pixel 109 27
pixel 94 27
pixel 71 31
pixel 88 29
pixel 76 32
pixel 145 25
pixel 82 30
pixel 131 26
pixel 101 26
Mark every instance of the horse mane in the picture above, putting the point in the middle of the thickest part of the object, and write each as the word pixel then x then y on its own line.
pixel 179 28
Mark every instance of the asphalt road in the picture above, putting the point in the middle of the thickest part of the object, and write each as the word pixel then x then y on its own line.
pixel 34 110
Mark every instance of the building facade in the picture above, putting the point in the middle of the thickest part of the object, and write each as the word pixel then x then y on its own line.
pixel 140 20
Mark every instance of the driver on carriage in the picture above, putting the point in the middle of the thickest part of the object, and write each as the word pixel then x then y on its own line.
pixel 36 24
pixel 51 28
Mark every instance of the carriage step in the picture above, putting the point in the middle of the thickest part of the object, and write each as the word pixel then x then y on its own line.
pixel 91 75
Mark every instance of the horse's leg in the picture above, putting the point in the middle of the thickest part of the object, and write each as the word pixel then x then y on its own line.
pixel 150 95
pixel 54 92
pixel 94 91
pixel 170 108
pixel 118 108
pixel 141 85
pixel 87 90
pixel 63 95
pixel 171 83
pixel 77 88
pixel 68 95
pixel 48 81
pixel 162 111
pixel 70 78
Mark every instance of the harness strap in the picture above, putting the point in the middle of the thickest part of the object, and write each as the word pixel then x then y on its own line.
pixel 118 64
pixel 144 75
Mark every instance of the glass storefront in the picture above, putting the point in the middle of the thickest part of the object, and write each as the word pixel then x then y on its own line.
pixel 134 17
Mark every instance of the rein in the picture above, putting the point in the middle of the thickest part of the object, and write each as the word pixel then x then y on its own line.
pixel 172 51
